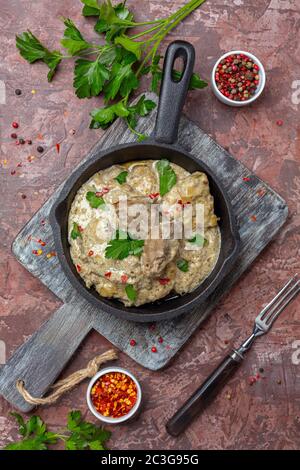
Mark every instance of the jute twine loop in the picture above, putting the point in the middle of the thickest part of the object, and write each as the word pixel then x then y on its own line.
pixel 64 385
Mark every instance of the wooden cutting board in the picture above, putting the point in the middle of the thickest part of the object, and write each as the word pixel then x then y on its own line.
pixel 260 213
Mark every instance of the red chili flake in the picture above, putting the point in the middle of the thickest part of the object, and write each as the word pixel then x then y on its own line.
pixel 57 147
pixel 51 254
pixel 108 274
pixel 30 158
pixel 19 165
pixel 78 267
pixel 13 172
pixel 164 281
pixel 153 195
pixel 80 228
pixel 246 178
pixel 180 202
pixel 279 122
pixel 101 193
pixel 15 125
pixel 160 340
pixel 14 136
pixel 114 394
pixel 124 278
pixel 152 326
pixel 154 349
pixel 226 341
pixel 41 242
pixel 90 253
pixel 261 192
pixel 252 380
pixel 132 342
pixel 37 252
pixel 29 141
pixel 253 218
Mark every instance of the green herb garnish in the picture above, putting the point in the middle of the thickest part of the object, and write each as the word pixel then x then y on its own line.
pixel 94 200
pixel 75 231
pixel 78 435
pixel 114 64
pixel 167 176
pixel 199 240
pixel 122 177
pixel 183 265
pixel 131 292
pixel 121 248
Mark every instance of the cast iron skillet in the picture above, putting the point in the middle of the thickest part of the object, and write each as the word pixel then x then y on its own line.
pixel 161 145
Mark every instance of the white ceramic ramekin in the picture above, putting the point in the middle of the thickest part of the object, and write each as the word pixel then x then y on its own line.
pixel 259 90
pixel 107 419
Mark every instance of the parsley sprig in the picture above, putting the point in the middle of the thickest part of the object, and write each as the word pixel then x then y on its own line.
pixel 122 246
pixel 114 67
pixel 78 434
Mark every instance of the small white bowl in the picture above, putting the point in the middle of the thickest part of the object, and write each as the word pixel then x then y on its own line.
pixel 108 419
pixel 259 90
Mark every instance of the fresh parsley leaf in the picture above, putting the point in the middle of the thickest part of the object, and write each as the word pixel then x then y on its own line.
pixel 90 8
pixel 122 177
pixel 198 240
pixel 79 434
pixel 32 49
pixel 122 80
pixel 130 45
pixel 167 176
pixel 84 435
pixel 94 200
pixel 195 83
pixel 131 292
pixel 89 77
pixel 34 433
pixel 156 74
pixel 73 40
pixel 113 20
pixel 103 117
pixel 121 248
pixel 142 108
pixel 183 265
pixel 75 231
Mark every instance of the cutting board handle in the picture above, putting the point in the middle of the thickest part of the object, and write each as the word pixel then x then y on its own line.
pixel 40 360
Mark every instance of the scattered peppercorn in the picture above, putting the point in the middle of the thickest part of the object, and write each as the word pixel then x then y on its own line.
pixel 160 340
pixel 72 131
pixel 13 172
pixel 14 135
pixel 23 196
pixel 132 342
pixel 237 77
pixel 18 91
pixel 21 141
pixel 279 382
pixel 29 142
pixel 15 125
pixel 261 370
pixel 40 149
pixel 154 349
pixel 279 122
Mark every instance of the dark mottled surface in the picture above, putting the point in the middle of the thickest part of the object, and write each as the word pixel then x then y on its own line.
pixel 264 416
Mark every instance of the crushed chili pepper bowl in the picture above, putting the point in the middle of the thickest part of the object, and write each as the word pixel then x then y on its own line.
pixel 109 419
pixel 259 89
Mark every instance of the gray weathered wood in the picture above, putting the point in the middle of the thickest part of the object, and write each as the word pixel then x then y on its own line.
pixel 40 360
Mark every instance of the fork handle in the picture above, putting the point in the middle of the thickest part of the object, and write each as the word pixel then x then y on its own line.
pixel 204 394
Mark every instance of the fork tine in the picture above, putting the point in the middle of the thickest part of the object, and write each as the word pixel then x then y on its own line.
pixel 272 317
pixel 274 300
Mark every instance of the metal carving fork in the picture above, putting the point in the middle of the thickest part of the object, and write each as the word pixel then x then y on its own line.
pixel 208 390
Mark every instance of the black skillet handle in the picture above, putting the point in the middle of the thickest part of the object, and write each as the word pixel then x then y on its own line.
pixel 203 395
pixel 173 93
